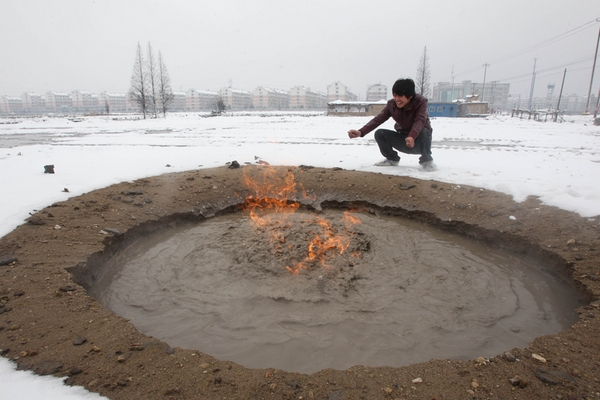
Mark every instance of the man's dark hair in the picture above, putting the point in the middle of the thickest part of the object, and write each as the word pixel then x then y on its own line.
pixel 404 87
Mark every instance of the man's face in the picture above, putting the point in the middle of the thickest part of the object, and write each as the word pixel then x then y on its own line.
pixel 401 101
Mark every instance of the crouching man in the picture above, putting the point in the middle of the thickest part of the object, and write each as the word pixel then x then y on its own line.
pixel 412 134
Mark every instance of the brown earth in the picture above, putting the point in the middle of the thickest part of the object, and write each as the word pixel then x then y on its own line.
pixel 49 324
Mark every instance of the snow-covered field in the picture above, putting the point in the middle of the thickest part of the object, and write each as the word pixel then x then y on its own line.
pixel 558 162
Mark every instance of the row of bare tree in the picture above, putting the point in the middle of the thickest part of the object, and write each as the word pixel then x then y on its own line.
pixel 150 84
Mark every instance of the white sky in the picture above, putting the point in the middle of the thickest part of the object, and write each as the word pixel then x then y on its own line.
pixel 65 45
pixel 509 155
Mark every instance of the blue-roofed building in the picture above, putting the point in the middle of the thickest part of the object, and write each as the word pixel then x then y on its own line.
pixel 442 109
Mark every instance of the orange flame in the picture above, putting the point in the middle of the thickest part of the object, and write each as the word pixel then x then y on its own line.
pixel 274 199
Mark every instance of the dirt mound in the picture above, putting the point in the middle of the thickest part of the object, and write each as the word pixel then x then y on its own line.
pixel 49 324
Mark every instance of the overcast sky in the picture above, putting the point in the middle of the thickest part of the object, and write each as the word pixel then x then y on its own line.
pixel 65 45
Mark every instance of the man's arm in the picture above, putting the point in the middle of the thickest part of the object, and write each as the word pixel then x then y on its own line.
pixel 420 115
pixel 379 119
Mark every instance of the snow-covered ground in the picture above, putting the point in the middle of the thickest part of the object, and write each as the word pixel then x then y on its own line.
pixel 558 162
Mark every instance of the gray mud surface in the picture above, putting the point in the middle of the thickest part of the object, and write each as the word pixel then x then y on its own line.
pixel 401 293
pixel 50 324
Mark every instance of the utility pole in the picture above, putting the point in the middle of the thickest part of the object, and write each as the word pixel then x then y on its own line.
pixel 484 74
pixel 452 92
pixel 532 84
pixel 587 105
pixel 562 85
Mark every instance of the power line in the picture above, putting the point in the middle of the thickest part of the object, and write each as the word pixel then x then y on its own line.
pixel 536 46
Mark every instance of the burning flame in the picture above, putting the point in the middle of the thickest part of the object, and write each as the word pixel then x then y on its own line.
pixel 274 201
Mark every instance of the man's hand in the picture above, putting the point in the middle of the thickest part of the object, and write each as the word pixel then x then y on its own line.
pixel 410 142
pixel 353 133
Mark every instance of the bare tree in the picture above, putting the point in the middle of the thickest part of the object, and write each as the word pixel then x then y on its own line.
pixel 151 73
pixel 423 75
pixel 220 105
pixel 165 92
pixel 138 92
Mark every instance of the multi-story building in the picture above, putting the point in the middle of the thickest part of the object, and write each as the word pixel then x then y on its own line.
pixel 339 91
pixel 11 105
pixel 236 99
pixel 303 98
pixel 179 102
pixel 33 103
pixel 58 102
pixel 84 101
pixel 114 103
pixel 377 92
pixel 270 99
pixel 201 100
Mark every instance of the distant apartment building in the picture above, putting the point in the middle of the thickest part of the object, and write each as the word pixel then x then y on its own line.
pixel 236 99
pixel 33 103
pixel 270 99
pixel 84 101
pixel 201 100
pixel 179 102
pixel 11 105
pixel 58 102
pixel 303 98
pixel 495 93
pixel 377 92
pixel 339 91
pixel 114 103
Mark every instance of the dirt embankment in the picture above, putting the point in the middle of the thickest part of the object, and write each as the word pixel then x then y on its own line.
pixel 50 325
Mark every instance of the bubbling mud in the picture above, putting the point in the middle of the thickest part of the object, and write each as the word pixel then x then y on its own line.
pixel 402 292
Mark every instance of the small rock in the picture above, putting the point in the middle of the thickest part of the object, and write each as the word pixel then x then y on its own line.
pixel 388 390
pixel 515 380
pixel 66 190
pixel 417 380
pixel 571 241
pixel 234 164
pixel 406 186
pixel 75 371
pixel 553 377
pixel 114 231
pixel 508 356
pixel 474 384
pixel 512 218
pixel 6 259
pixel 48 367
pixel 538 358
pixel 57 227
pixel 49 169
pixel 79 341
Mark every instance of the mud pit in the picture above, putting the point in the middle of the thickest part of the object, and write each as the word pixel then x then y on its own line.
pixel 401 293
pixel 51 325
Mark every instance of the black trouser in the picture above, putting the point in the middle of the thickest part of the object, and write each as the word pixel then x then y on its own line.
pixel 389 140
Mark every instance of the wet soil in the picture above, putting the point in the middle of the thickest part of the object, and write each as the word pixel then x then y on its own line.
pixel 370 290
pixel 49 323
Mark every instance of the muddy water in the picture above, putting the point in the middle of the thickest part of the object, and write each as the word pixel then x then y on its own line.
pixel 401 293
